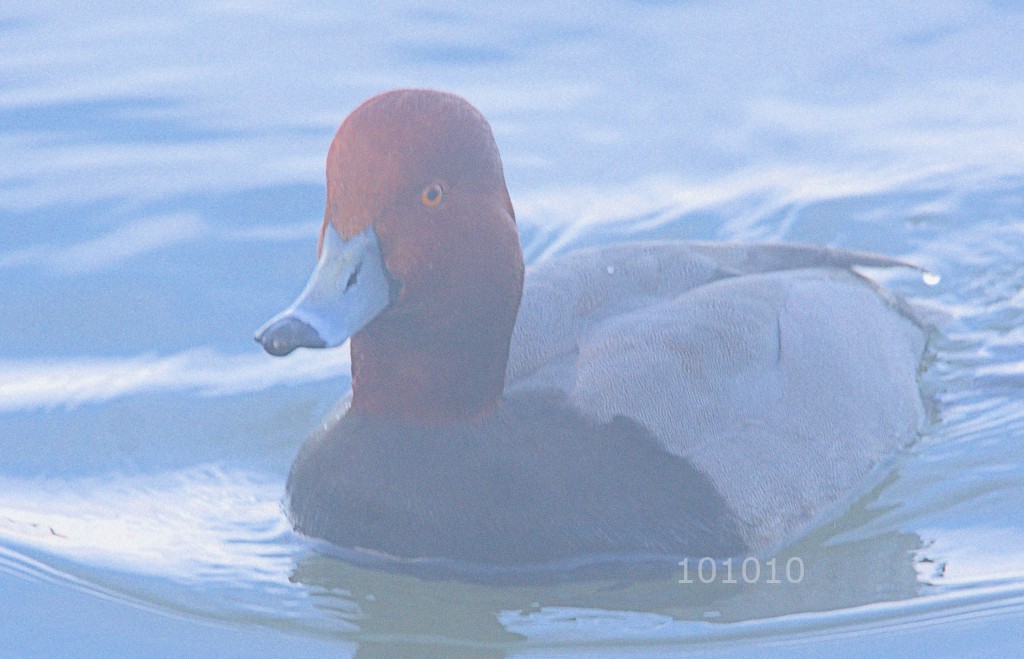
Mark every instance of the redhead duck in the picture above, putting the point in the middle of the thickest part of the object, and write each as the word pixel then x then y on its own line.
pixel 655 399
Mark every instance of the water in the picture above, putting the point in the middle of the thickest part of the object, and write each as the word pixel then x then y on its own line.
pixel 161 187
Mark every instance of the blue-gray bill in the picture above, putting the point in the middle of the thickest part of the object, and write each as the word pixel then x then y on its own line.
pixel 347 290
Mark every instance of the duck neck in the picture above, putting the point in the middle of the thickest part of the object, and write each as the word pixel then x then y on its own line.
pixel 437 354
pixel 433 380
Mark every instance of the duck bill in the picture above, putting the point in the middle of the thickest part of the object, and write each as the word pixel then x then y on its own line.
pixel 347 290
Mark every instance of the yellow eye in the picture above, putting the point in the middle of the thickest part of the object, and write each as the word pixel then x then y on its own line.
pixel 432 194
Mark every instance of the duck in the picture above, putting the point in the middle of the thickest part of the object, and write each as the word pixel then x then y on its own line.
pixel 671 399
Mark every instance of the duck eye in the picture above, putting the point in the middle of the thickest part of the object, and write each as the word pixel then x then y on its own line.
pixel 432 194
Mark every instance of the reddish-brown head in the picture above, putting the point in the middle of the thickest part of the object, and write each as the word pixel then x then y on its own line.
pixel 422 169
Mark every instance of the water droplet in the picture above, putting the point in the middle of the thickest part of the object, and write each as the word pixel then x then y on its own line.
pixel 611 269
pixel 930 278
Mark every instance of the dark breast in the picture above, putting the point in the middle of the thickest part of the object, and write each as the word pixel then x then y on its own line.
pixel 534 483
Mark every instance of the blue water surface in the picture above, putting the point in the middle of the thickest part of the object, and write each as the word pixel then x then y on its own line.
pixel 161 187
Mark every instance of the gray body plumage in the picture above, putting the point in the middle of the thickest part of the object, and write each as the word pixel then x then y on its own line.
pixel 777 370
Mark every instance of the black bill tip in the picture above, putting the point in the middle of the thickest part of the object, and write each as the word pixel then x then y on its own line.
pixel 282 336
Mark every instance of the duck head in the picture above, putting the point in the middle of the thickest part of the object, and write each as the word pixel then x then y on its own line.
pixel 419 261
